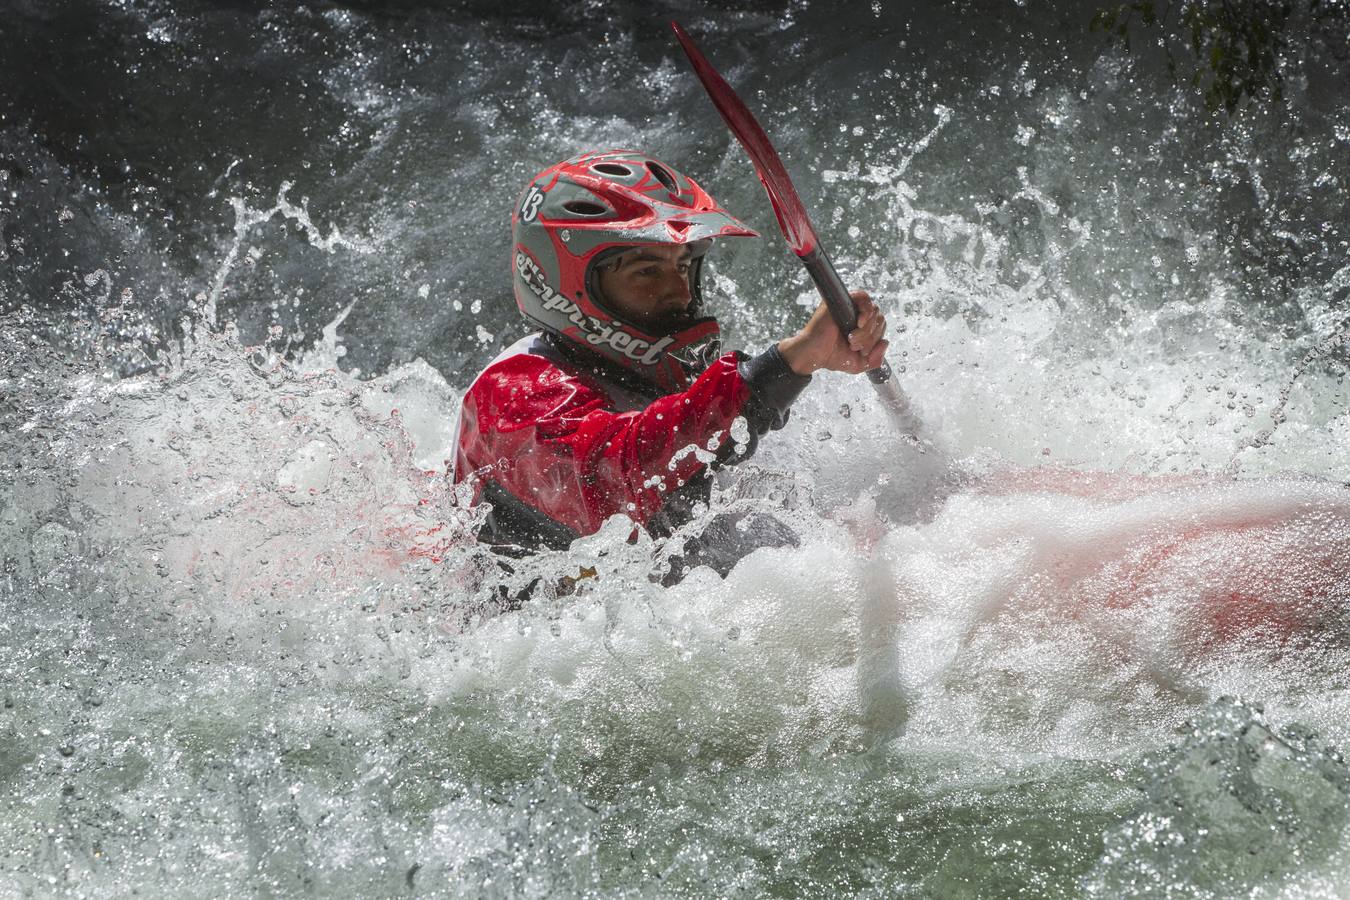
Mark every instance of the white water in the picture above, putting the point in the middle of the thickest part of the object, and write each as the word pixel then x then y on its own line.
pixel 284 652
pixel 250 647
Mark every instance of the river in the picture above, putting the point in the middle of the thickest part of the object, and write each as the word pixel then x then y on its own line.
pixel 253 254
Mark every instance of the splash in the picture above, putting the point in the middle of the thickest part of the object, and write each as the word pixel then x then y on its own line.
pixel 251 646
pixel 1321 351
pixel 246 218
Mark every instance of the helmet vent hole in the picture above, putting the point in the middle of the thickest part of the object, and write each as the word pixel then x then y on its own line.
pixel 584 208
pixel 662 174
pixel 614 169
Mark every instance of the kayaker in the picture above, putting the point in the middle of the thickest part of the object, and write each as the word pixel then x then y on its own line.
pixel 622 403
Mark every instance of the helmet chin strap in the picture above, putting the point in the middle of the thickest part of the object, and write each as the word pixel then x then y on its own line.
pixel 696 286
pixel 697 357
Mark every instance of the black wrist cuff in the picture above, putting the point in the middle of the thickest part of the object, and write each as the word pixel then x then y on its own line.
pixel 773 387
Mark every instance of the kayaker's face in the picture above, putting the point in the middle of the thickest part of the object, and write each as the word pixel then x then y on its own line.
pixel 649 286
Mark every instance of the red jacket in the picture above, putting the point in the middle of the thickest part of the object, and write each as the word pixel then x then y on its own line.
pixel 559 440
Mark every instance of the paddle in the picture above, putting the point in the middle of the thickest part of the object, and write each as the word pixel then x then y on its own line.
pixel 796 225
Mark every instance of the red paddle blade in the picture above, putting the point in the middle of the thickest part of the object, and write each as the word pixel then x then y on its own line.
pixel 792 218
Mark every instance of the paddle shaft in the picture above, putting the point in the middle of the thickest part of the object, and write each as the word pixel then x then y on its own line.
pixel 796 225
pixel 822 271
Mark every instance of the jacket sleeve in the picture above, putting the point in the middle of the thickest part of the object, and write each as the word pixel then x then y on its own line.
pixel 556 442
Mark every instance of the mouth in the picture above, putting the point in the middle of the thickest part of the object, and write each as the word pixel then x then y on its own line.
pixel 670 321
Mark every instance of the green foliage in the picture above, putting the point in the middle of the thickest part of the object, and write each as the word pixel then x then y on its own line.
pixel 1228 50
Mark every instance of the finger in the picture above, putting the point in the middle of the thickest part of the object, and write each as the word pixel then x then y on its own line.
pixel 866 328
pixel 867 308
pixel 862 336
pixel 877 356
pixel 865 338
pixel 866 312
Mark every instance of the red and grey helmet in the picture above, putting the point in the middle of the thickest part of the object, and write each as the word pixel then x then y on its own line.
pixel 578 211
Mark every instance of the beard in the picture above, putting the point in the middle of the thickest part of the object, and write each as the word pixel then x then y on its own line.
pixel 668 323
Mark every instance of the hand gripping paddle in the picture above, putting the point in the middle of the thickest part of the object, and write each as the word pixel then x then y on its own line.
pixel 796 226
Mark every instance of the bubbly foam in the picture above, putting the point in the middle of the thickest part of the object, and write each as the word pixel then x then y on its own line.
pixel 1092 642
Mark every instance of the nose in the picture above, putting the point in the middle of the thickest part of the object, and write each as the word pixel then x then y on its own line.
pixel 675 288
